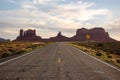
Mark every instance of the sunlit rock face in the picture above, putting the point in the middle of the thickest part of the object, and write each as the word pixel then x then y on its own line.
pixel 96 34
pixel 28 35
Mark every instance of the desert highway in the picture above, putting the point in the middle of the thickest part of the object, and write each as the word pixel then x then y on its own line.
pixel 57 61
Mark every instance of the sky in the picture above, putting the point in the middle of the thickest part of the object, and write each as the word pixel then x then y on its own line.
pixel 49 17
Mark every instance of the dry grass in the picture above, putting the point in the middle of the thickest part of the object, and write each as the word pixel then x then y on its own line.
pixel 105 55
pixel 13 48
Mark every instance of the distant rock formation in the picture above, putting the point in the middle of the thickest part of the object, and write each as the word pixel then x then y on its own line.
pixel 4 40
pixel 59 37
pixel 95 34
pixel 28 35
pixel 83 34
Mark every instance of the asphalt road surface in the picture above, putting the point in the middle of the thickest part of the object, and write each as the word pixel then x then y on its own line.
pixel 58 61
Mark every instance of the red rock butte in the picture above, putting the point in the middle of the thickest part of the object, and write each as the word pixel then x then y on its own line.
pixel 83 34
pixel 28 35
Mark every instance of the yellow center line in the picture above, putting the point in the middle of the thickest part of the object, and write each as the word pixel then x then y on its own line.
pixel 59 60
pixel 58 51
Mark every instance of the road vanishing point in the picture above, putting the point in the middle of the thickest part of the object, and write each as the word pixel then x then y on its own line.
pixel 57 61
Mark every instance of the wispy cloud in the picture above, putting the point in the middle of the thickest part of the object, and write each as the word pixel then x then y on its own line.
pixel 65 15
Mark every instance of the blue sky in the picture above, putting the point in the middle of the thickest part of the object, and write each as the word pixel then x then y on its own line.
pixel 50 16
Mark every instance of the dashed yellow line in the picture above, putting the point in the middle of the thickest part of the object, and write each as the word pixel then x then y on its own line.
pixel 59 60
pixel 58 51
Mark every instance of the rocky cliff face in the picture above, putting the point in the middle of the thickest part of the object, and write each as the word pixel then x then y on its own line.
pixel 95 34
pixel 59 37
pixel 4 40
pixel 28 35
pixel 83 34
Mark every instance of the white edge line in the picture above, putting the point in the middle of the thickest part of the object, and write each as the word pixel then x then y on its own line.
pixel 15 58
pixel 98 59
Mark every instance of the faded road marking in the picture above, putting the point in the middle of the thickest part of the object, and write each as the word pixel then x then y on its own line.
pixel 15 58
pixel 59 60
pixel 58 51
pixel 101 72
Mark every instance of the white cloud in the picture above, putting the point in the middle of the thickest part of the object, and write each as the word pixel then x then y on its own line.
pixel 113 27
pixel 78 11
pixel 39 1
pixel 66 12
pixel 51 15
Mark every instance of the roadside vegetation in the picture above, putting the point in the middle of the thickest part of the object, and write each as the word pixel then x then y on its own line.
pixel 107 51
pixel 14 48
